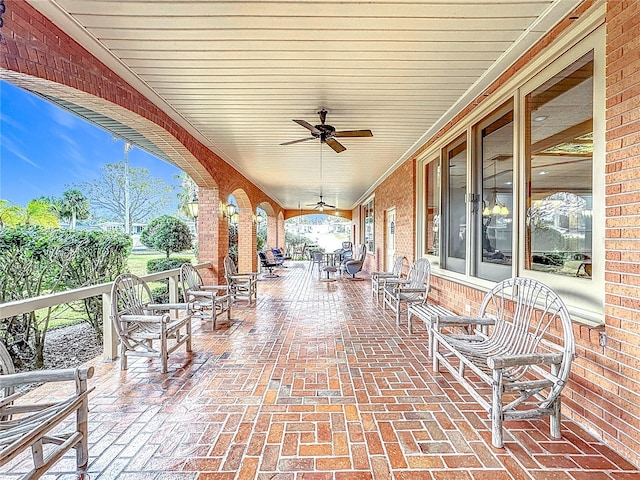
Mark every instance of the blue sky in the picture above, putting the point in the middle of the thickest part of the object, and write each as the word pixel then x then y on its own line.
pixel 44 149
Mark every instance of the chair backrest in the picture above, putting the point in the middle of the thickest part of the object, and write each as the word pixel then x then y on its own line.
pixel 229 267
pixel 317 256
pixel 347 246
pixel 396 270
pixel 190 278
pixel 6 367
pixel 419 276
pixel 129 296
pixel 526 311
pixel 362 252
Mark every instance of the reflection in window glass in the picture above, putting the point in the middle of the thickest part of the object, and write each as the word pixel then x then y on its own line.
pixel 456 172
pixel 497 197
pixel 432 183
pixel 367 214
pixel 559 134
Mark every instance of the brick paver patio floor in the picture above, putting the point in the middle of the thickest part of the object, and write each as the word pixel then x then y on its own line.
pixel 314 381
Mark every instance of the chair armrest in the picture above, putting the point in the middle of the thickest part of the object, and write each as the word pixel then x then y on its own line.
pixel 395 281
pixel 459 320
pixel 214 287
pixel 411 290
pixel 243 276
pixel 146 318
pixel 382 274
pixel 202 293
pixel 168 306
pixel 505 361
pixel 45 376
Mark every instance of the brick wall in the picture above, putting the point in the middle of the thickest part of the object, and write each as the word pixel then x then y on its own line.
pixel 399 191
pixel 612 374
pixel 604 391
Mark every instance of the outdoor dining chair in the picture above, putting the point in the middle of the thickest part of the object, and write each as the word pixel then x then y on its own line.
pixel 146 329
pixel 378 278
pixel 408 290
pixel 209 301
pixel 241 285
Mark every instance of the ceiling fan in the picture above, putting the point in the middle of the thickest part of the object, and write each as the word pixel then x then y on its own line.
pixel 327 133
pixel 321 205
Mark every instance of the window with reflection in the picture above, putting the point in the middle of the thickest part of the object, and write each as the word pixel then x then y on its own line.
pixel 368 230
pixel 495 222
pixel 559 155
pixel 455 181
pixel 432 207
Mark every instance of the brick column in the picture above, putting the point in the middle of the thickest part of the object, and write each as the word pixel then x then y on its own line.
pixel 280 231
pixel 212 235
pixel 247 249
pixel 272 232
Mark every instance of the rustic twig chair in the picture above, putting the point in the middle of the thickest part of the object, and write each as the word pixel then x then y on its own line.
pixel 38 426
pixel 208 301
pixel 378 278
pixel 521 350
pixel 412 289
pixel 139 323
pixel 243 285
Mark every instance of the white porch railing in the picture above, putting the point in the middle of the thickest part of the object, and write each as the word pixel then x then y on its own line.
pixel 109 338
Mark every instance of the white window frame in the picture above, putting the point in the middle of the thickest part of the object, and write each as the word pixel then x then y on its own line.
pixel 586 301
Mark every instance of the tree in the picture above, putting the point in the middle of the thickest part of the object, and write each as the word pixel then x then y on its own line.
pixel 10 214
pixel 168 234
pixel 148 196
pixel 40 212
pixel 188 192
pixel 73 206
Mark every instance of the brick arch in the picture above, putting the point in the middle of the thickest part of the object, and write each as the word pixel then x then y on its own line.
pixel 272 224
pixel 40 57
pixel 247 260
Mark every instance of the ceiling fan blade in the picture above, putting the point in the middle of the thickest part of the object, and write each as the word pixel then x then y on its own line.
pixel 308 126
pixel 329 206
pixel 354 133
pixel 298 141
pixel 336 145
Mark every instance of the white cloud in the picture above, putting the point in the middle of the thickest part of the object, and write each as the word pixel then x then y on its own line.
pixel 12 148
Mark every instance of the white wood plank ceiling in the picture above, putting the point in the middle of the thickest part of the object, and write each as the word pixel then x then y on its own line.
pixel 236 73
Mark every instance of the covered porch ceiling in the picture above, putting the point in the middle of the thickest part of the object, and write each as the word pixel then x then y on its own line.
pixel 235 74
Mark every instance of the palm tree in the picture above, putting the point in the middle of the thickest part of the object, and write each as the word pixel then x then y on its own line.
pixel 73 206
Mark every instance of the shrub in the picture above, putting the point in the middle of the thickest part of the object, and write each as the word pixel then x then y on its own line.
pixel 161 264
pixel 168 234
pixel 37 261
pixel 160 294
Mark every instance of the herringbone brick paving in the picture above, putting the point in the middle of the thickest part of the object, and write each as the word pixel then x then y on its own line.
pixel 313 382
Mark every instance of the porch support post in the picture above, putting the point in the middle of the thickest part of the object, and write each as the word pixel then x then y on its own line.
pixel 213 235
pixel 109 336
pixel 247 250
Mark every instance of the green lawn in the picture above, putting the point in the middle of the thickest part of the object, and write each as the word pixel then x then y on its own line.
pixel 138 260
pixel 137 264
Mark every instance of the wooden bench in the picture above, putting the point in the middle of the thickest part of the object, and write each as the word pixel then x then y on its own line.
pixel 37 425
pixel 427 313
pixel 517 360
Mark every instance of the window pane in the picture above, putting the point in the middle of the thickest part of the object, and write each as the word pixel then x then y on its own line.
pixel 367 211
pixel 456 156
pixel 559 138
pixel 497 197
pixel 432 181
